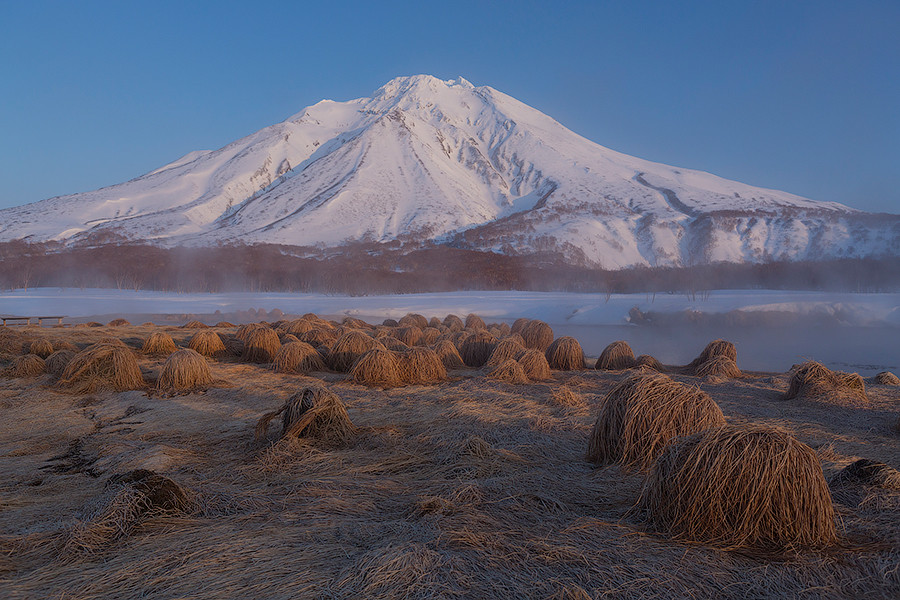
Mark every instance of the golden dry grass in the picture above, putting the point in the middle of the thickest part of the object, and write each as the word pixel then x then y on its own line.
pixel 475 322
pixel 741 487
pixel 409 335
pixel 317 336
pixel 430 335
pixel 535 365
pixel 261 346
pixel 718 366
pixel 313 412
pixel 887 378
pixel 27 365
pixel 57 362
pixel 183 370
pixel 565 354
pixel 378 367
pixel 815 382
pixel 421 366
pixel 509 371
pixel 348 348
pixel 645 360
pixel 536 335
pixel 414 320
pixel 505 350
pixel 159 343
pixel 195 325
pixel 42 348
pixel 298 357
pixel 102 365
pixel 713 349
pixel 243 331
pixel 642 414
pixel 449 355
pixel 118 323
pixel 476 348
pixel 454 323
pixel 616 357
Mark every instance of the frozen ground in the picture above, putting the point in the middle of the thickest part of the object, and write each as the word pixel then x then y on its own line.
pixel 856 332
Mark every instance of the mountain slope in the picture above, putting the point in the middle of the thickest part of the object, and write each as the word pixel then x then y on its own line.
pixel 424 159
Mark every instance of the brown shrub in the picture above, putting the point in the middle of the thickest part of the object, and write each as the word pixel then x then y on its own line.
pixel 57 362
pixel 615 357
pixel 348 348
pixel 378 368
pixel 42 348
pixel 454 323
pixel 159 343
pixel 537 335
pixel 118 323
pixel 422 366
pixel 565 354
pixel 195 325
pixel 102 365
pixel 887 378
pixel 185 369
pixel 477 348
pixel 474 322
pixel 298 357
pixel 535 365
pixel 741 487
pixel 509 371
pixel 719 366
pixel 505 350
pixel 814 381
pixel 642 414
pixel 713 349
pixel 414 320
pixel 313 412
pixel 449 355
pixel 27 365
pixel 261 346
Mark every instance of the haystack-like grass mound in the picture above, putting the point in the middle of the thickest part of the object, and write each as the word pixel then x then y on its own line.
pixel 719 366
pixel 233 345
pixel 184 370
pixel 390 323
pixel 129 499
pixel 42 348
pixel 27 365
pixel 477 348
pixel 409 335
pixel 64 345
pixel 378 368
pixel 159 343
pixel 261 346
pixel 616 357
pixel 535 365
pixel 475 322
pixel 429 336
pixel 243 332
pixel 449 355
pixel 298 327
pixel 195 325
pixel 454 323
pixel 392 343
pixel 435 322
pixel 102 365
pixel 518 324
pixel 867 472
pixel 225 324
pixel 537 335
pixel 713 349
pixel 645 360
pixel 565 354
pixel 118 323
pixel 313 412
pixel 57 362
pixel 88 324
pixel 287 338
pixel 354 323
pixel 741 487
pixel 509 371
pixel 642 414
pixel 111 340
pixel 422 366
pixel 317 336
pixel 11 340
pixel 414 320
pixel 506 349
pixel 348 348
pixel 816 382
pixel 887 378
pixel 298 357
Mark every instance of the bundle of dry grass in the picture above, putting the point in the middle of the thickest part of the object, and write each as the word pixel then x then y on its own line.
pixel 224 324
pixel 429 336
pixel 409 335
pixel 129 499
pixel 642 414
pixel 535 365
pixel 207 343
pixel 27 365
pixel 616 357
pixel 435 322
pixel 243 332
pixel 57 362
pixel 414 320
pixel 816 382
pixel 102 365
pixel 645 360
pixel 719 366
pixel 298 357
pixel 887 378
pixel 88 324
pixel 64 345
pixel 477 348
pixel 449 355
pixel 518 324
pixel 118 323
pixel 454 323
pixel 111 340
pixel 377 368
pixel 390 323
pixel 741 487
pixel 159 343
pixel 287 338
pixel 298 327
pixel 459 337
pixel 184 370
pixel 506 349
pixel 195 325
pixel 422 366
pixel 509 371
pixel 42 348
pixel 565 354
pixel 867 472
pixel 392 343
pixel 261 346
pixel 714 348
pixel 317 336
pixel 565 396
pixel 313 412
pixel 233 345
pixel 354 323
pixel 348 348
pixel 537 335
pixel 474 322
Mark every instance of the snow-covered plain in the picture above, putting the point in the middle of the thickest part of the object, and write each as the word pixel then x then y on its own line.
pixel 852 331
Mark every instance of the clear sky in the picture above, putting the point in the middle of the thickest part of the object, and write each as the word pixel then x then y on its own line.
pixel 798 96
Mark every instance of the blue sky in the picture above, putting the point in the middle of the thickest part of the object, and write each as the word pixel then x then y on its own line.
pixel 798 96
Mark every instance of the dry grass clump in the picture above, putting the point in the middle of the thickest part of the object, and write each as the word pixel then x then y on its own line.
pixel 118 323
pixel 719 366
pixel 477 348
pixel 377 367
pixel 28 365
pixel 422 366
pixel 409 335
pixel 287 338
pixel 392 343
pixel 102 365
pixel 354 323
pixel 454 323
pixel 642 414
pixel 130 499
pixel 565 354
pixel 449 355
pixel 297 327
pixel 233 345
pixel 518 324
pixel 63 345
pixel 741 487
pixel 868 472
pixel 224 324
pixel 475 322
pixel 645 360
pixel 814 381
pixel 111 340
pixel 414 320
pixel 887 378
pixel 42 348
pixel 195 325
pixel 57 362
pixel 713 349
pixel 615 357
pixel 507 349
pixel 537 335
pixel 317 336
pixel 535 365
pixel 435 322
pixel 159 343
pixel 348 348
pixel 88 324
pixel 298 357
pixel 243 332
pixel 313 412
pixel 261 346
pixel 429 336
pixel 509 371
pixel 390 323
pixel 185 369
pixel 565 396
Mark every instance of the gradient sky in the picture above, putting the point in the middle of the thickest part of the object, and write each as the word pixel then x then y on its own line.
pixel 797 96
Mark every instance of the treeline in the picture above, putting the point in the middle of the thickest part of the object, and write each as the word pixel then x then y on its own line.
pixel 373 269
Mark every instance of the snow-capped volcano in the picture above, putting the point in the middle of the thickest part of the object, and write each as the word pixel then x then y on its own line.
pixel 426 159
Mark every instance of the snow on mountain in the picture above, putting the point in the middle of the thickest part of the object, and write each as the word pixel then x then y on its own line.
pixel 426 159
